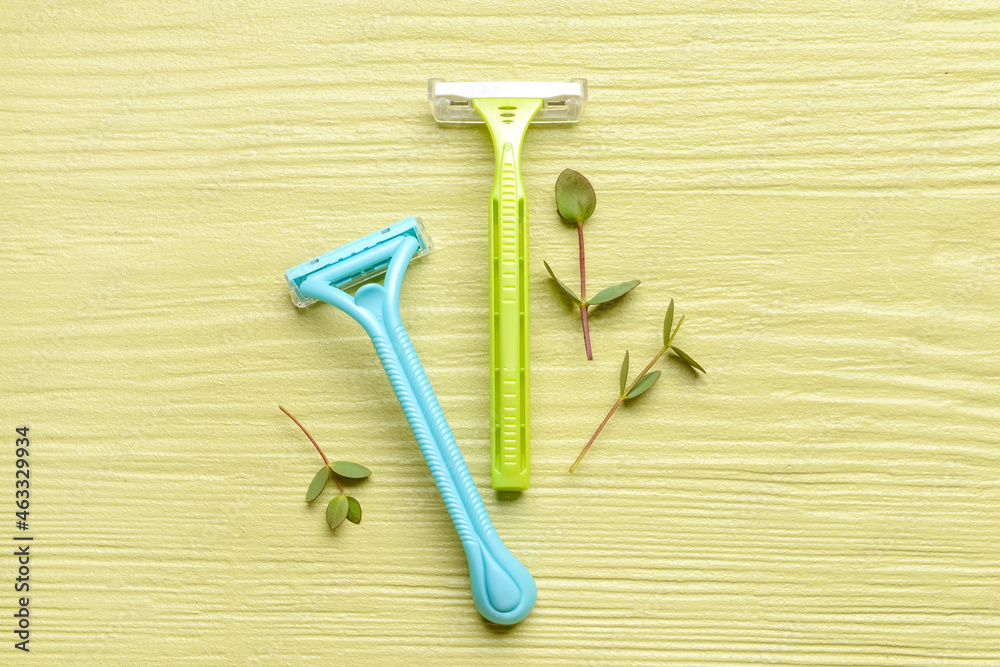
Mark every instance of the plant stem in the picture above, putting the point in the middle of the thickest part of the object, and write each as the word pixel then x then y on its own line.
pixel 583 296
pixel 316 444
pixel 614 407
pixel 646 369
pixel 621 399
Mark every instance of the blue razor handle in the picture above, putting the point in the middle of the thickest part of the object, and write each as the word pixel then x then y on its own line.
pixel 502 588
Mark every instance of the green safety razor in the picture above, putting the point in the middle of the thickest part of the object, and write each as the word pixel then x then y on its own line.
pixel 508 108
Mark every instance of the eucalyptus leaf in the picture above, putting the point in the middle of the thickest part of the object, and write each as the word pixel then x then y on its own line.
pixel 570 293
pixel 318 484
pixel 337 510
pixel 350 470
pixel 575 198
pixel 611 293
pixel 668 321
pixel 686 359
pixel 353 510
pixel 644 383
pixel 623 375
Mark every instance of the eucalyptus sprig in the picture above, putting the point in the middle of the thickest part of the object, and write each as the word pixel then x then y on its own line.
pixel 575 202
pixel 646 378
pixel 342 506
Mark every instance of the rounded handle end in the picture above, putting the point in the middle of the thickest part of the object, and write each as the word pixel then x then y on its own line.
pixel 502 588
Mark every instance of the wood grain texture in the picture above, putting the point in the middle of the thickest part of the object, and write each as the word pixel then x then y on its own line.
pixel 815 185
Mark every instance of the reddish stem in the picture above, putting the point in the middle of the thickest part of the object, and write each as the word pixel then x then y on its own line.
pixel 596 433
pixel 583 296
pixel 308 435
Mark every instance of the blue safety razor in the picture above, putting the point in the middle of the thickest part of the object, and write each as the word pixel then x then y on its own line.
pixel 502 588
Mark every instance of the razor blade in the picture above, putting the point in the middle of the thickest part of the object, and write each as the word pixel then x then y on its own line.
pixel 562 101
pixel 359 261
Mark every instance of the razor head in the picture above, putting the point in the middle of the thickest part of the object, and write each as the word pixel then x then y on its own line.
pixel 562 102
pixel 358 261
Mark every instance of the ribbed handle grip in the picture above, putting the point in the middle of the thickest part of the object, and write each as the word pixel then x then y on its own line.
pixel 502 588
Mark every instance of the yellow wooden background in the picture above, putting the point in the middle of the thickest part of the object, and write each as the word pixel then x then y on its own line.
pixel 815 183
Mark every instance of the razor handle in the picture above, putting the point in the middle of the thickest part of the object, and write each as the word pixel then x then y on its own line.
pixel 502 588
pixel 510 452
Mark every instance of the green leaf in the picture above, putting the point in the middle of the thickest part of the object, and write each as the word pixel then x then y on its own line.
pixel 575 198
pixel 611 293
pixel 644 383
pixel 623 375
pixel 350 470
pixel 686 359
pixel 336 511
pixel 668 321
pixel 570 293
pixel 318 484
pixel 353 510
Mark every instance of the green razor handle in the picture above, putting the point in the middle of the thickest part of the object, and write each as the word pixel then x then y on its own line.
pixel 507 120
pixel 508 108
